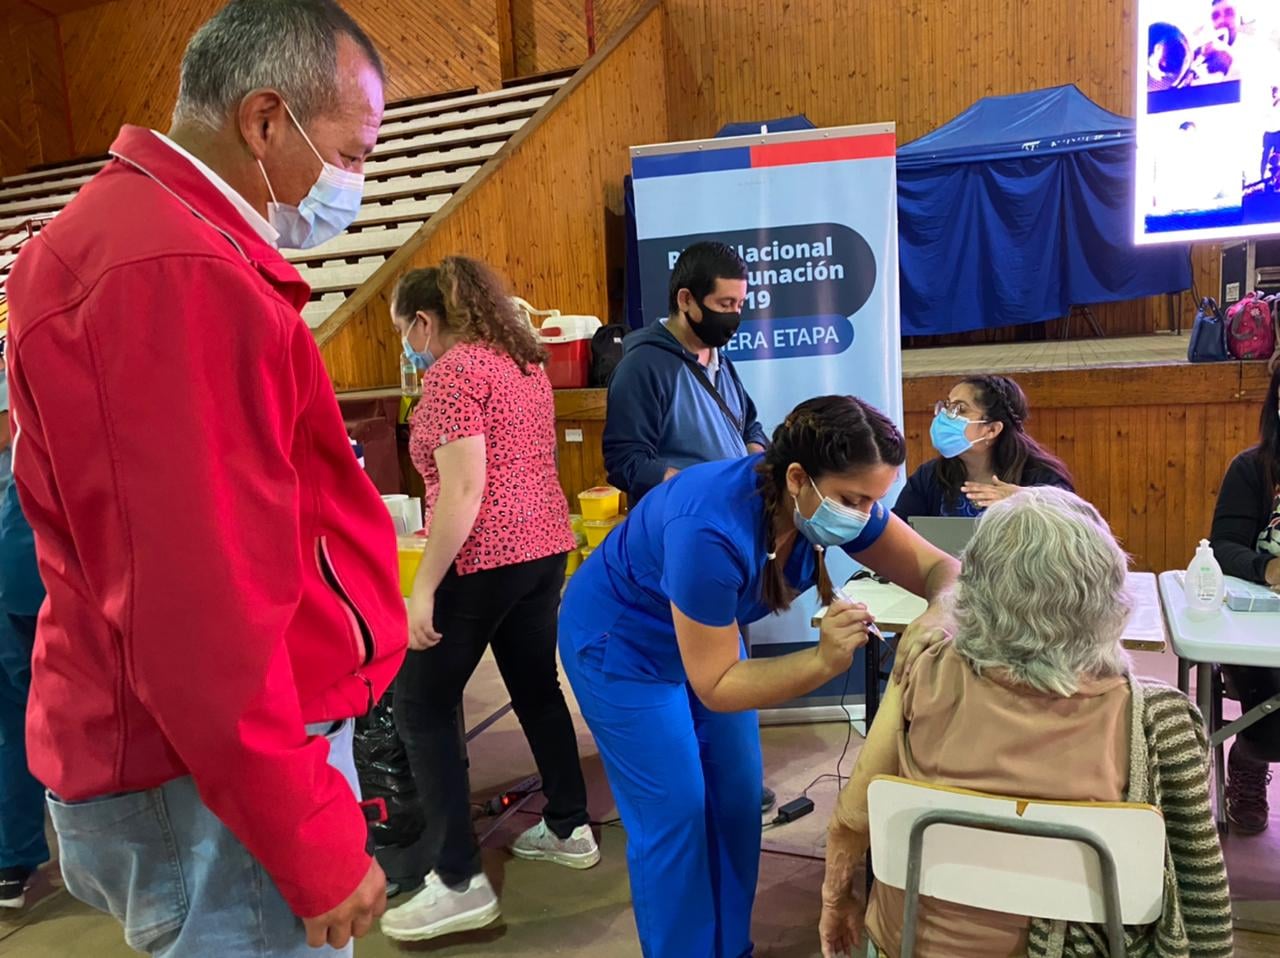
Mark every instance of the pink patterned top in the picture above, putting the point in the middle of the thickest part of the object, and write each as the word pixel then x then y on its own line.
pixel 476 390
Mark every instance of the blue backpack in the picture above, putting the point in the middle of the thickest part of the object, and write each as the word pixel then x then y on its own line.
pixel 1208 343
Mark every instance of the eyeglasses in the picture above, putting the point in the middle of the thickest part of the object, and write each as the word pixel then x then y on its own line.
pixel 951 411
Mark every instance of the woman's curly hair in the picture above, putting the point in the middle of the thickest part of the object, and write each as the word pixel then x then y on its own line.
pixel 471 300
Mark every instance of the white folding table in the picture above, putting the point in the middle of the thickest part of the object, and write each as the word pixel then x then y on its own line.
pixel 1225 638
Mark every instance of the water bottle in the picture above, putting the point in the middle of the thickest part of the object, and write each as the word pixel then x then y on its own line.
pixel 409 382
pixel 1203 583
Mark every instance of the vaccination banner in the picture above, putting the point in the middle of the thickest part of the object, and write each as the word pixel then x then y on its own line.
pixel 814 215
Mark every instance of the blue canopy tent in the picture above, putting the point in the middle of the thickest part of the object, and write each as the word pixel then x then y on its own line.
pixel 1018 209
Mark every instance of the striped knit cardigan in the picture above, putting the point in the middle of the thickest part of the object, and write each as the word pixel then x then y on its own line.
pixel 1168 768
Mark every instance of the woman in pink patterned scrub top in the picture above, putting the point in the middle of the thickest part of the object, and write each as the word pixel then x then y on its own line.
pixel 498 532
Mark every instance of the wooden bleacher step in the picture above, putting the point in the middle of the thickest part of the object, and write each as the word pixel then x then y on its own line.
pixel 428 148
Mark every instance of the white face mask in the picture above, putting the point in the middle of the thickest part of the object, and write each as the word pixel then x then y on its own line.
pixel 328 208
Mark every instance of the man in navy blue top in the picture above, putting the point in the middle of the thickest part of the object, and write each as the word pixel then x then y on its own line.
pixel 675 399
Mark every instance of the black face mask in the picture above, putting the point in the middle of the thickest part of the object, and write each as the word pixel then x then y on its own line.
pixel 716 328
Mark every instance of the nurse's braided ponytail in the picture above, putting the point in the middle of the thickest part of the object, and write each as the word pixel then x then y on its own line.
pixel 829 434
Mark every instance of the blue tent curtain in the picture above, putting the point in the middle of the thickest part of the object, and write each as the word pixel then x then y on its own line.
pixel 1015 211
pixel 1018 209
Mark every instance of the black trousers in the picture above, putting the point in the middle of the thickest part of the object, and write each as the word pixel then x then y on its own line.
pixel 1251 686
pixel 514 610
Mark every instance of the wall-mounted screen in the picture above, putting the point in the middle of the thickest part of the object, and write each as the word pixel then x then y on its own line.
pixel 1208 120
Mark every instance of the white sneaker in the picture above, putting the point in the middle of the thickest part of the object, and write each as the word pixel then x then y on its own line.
pixel 540 844
pixel 439 910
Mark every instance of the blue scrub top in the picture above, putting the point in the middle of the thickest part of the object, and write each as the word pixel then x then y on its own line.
pixel 698 541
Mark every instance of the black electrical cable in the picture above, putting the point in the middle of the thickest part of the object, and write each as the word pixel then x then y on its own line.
pixel 848 739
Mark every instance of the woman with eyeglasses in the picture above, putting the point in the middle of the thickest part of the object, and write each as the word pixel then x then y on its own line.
pixel 985 453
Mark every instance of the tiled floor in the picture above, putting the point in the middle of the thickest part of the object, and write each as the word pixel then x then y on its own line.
pixel 552 911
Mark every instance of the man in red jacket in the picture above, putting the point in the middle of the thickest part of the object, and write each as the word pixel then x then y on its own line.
pixel 222 581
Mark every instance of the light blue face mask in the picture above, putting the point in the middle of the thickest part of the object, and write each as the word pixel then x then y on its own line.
pixel 330 206
pixel 831 524
pixel 947 435
pixel 422 360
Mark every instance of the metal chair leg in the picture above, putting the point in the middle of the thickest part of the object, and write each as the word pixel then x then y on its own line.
pixel 1219 753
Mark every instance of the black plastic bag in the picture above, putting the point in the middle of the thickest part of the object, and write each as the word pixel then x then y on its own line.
pixel 383 768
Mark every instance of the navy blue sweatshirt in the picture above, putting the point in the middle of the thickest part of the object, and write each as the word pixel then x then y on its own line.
pixel 660 417
pixel 1246 506
pixel 923 493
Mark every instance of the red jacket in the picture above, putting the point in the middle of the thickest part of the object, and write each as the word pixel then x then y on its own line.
pixel 220 570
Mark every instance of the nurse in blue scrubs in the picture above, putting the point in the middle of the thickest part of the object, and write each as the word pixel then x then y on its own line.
pixel 651 643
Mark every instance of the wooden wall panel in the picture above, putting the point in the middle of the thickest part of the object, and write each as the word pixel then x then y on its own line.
pixel 611 16
pixel 14 144
pixel 1148 446
pixel 47 119
pixel 123 57
pixel 34 114
pixel 917 62
pixel 549 35
pixel 544 211
pixel 44 8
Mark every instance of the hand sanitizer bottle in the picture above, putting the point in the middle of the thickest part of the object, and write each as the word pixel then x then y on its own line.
pixel 410 384
pixel 1203 583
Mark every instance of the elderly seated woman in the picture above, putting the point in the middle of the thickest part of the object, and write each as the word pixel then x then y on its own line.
pixel 1034 698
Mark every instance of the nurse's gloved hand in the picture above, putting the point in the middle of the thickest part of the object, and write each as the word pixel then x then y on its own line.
pixel 844 630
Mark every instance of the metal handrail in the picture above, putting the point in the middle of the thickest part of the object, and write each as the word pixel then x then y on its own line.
pixel 31 226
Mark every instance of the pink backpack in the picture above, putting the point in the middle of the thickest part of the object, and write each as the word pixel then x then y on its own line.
pixel 1251 332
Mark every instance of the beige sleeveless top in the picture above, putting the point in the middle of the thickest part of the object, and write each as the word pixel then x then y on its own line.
pixel 990 734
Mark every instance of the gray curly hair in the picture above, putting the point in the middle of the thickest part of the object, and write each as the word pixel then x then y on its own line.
pixel 1042 592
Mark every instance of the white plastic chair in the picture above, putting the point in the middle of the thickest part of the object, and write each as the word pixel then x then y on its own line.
pixel 1096 863
pixel 529 312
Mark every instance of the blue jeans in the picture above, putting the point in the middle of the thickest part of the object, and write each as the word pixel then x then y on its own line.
pixel 687 784
pixel 176 878
pixel 22 842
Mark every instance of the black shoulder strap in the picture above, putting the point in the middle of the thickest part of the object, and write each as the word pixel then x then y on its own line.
pixel 704 381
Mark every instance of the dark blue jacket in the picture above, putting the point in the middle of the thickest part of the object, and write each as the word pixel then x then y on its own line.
pixel 923 495
pixel 661 418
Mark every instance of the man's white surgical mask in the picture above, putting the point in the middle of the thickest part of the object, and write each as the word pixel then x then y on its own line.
pixel 328 208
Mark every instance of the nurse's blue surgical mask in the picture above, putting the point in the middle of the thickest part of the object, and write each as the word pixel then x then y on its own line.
pixel 947 433
pixel 831 524
pixel 330 206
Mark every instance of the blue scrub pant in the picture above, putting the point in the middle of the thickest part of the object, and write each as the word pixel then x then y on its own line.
pixel 687 784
